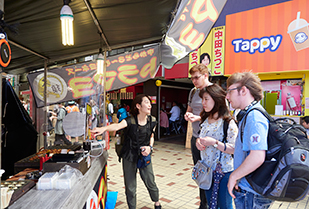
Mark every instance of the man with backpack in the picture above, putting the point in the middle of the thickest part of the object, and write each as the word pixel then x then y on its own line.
pixel 59 132
pixel 244 91
pixel 72 108
pixel 199 76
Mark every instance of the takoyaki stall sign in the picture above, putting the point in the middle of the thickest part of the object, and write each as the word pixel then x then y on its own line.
pixel 81 80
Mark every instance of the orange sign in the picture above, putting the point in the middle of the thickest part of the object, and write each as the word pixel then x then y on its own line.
pixel 268 39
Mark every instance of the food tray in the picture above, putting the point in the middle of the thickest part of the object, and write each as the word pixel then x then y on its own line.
pixel 72 147
pixel 19 187
pixel 29 162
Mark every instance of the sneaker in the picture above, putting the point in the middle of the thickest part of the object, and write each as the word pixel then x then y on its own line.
pixel 157 207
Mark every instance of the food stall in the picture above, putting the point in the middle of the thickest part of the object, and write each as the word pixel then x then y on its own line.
pixel 92 187
pixel 22 190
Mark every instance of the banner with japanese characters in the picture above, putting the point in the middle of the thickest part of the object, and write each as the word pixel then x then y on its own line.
pixel 189 29
pixel 203 53
pixel 211 53
pixel 218 51
pixel 81 80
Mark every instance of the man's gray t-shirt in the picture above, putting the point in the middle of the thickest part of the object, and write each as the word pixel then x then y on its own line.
pixel 60 117
pixel 197 107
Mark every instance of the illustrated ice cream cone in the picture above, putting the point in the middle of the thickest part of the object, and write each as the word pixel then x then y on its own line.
pixel 299 33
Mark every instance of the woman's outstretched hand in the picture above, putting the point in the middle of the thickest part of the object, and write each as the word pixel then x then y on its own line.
pixel 97 131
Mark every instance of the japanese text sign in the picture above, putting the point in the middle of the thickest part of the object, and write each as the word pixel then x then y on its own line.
pixel 81 80
pixel 214 48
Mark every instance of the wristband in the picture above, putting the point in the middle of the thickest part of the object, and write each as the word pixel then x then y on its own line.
pixel 151 148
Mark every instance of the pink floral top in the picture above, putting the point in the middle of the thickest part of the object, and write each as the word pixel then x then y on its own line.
pixel 211 154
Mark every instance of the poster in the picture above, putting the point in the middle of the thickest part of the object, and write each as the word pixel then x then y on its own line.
pixel 291 95
pixel 211 53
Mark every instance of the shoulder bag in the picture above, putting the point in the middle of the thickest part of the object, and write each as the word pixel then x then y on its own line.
pixel 203 174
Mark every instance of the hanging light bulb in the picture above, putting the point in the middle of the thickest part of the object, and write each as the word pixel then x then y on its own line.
pixel 66 17
pixel 100 63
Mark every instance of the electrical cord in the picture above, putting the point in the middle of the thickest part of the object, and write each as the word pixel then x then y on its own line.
pixel 95 156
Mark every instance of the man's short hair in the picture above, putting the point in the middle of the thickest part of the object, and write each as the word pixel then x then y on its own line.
pixel 305 119
pixel 249 80
pixel 201 68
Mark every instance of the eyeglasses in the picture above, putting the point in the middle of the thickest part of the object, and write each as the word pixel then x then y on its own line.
pixel 196 77
pixel 229 90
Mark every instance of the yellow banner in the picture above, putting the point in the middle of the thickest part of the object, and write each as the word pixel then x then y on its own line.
pixel 211 53
pixel 218 51
pixel 195 56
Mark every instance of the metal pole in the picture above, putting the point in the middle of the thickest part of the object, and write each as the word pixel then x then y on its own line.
pixel 158 107
pixel 45 103
pixel 1 8
pixel 104 89
pixel 1 119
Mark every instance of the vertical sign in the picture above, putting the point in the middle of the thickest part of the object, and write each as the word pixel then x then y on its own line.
pixel 218 50
pixel 214 47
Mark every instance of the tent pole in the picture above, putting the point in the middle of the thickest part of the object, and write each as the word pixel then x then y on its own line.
pixel 1 92
pixel 45 104
pixel 104 89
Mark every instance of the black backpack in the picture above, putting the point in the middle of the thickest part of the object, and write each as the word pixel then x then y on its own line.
pixel 119 148
pixel 123 133
pixel 65 110
pixel 284 175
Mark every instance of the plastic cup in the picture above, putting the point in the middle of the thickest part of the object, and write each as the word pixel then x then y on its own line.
pixel 299 33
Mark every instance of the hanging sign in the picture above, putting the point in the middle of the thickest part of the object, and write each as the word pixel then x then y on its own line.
pixel 81 80
pixel 190 27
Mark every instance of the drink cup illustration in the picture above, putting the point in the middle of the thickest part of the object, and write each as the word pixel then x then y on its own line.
pixel 299 33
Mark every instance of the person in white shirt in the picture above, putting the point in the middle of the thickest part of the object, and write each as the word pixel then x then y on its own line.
pixel 175 115
pixel 110 112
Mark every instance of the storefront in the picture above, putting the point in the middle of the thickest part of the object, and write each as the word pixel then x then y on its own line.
pixel 272 41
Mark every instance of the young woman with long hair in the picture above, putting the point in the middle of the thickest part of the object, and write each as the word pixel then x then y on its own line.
pixel 210 142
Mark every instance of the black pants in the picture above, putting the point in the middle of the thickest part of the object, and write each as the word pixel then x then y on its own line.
pixel 60 138
pixel 147 175
pixel 196 155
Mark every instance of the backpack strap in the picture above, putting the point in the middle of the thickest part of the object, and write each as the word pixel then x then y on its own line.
pixel 263 111
pixel 192 92
pixel 225 128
